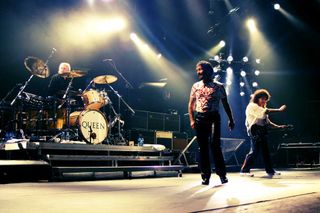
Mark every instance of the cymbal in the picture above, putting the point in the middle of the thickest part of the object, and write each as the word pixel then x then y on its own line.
pixel 71 92
pixel 37 67
pixel 74 74
pixel 105 79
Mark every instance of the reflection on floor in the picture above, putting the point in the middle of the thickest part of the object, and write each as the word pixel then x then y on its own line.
pixel 293 191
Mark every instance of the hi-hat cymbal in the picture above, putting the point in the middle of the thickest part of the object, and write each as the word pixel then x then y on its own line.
pixel 105 79
pixel 74 74
pixel 37 67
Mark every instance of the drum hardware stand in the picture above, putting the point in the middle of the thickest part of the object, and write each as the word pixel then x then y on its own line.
pixel 44 69
pixel 65 133
pixel 9 93
pixel 92 135
pixel 88 86
pixel 12 122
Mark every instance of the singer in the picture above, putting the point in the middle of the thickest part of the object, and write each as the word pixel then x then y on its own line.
pixel 205 98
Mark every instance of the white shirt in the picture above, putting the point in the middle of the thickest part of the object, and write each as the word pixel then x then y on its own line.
pixel 256 114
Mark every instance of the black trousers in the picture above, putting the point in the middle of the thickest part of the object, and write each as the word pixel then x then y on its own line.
pixel 259 143
pixel 208 141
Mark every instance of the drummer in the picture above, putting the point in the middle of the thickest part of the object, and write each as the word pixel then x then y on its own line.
pixel 58 82
pixel 56 89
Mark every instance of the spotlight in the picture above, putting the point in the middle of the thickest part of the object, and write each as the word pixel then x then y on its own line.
pixel 241 84
pixel 159 55
pixel 258 60
pixel 230 59
pixel 133 36
pixel 254 84
pixel 245 59
pixel 229 70
pixel 243 73
pixel 216 58
pixel 257 72
pixel 251 24
pixel 242 94
pixel 276 6
pixel 222 43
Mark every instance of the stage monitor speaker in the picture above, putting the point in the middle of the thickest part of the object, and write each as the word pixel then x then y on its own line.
pixel 139 120
pixel 155 121
pixel 172 122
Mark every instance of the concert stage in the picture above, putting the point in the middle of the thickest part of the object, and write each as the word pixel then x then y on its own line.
pixel 296 190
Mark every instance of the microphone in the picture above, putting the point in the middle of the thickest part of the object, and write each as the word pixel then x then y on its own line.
pixel 107 59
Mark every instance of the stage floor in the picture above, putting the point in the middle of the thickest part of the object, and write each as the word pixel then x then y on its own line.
pixel 296 190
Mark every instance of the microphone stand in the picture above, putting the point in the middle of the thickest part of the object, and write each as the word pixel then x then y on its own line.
pixel 118 114
pixel 128 84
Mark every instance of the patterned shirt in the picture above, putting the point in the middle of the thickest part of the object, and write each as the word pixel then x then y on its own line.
pixel 207 95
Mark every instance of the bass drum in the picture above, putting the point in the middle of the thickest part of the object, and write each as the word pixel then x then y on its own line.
pixel 92 125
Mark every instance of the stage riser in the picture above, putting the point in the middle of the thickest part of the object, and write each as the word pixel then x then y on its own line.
pixel 94 158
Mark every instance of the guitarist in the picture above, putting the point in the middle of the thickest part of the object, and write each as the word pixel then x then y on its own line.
pixel 257 122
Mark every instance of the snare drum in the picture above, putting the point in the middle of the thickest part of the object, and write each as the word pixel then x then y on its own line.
pixel 92 99
pixel 92 125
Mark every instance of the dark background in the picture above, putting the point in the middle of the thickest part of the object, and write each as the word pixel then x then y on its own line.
pixel 179 30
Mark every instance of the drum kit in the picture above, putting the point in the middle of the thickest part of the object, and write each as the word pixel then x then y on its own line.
pixel 88 123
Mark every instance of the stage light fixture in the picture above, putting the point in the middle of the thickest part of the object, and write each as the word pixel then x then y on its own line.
pixel 133 36
pixel 242 94
pixel 241 84
pixel 251 24
pixel 243 73
pixel 245 59
pixel 229 70
pixel 228 82
pixel 258 60
pixel 216 58
pixel 222 43
pixel 276 6
pixel 254 84
pixel 230 59
pixel 257 72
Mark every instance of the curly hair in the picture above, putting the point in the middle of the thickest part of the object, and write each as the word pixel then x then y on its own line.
pixel 259 94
